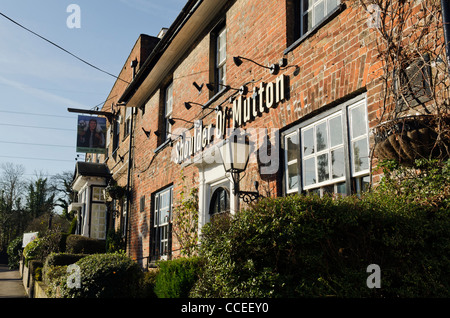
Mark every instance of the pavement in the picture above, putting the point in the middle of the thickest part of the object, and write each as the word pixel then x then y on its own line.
pixel 11 285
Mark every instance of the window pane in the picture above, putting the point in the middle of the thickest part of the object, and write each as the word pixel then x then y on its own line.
pixel 309 171
pixel 331 4
pixel 358 121
pixel 321 136
pixel 308 142
pixel 322 167
pixel 292 176
pixel 360 155
pixel 341 188
pixel 221 47
pixel 335 131
pixel 292 147
pixel 319 12
pixel 337 163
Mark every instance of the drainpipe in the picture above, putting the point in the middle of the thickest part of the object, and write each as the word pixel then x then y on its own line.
pixel 445 8
pixel 134 64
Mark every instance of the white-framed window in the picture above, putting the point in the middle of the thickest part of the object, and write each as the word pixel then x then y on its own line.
pixel 98 194
pixel 98 221
pixel 127 128
pixel 168 107
pixel 332 151
pixel 312 12
pixel 162 216
pixel 221 57
pixel 291 159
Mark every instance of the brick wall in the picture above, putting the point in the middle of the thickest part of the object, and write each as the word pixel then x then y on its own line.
pixel 335 63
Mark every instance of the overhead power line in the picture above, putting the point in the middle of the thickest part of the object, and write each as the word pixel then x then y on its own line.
pixel 61 48
pixel 33 144
pixel 39 127
pixel 33 158
pixel 35 114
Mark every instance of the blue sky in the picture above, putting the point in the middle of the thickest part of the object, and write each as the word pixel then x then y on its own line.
pixel 38 82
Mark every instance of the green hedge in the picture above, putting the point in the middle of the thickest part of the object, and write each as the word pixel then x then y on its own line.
pixel 305 246
pixel 176 277
pixel 78 244
pixel 14 250
pixel 104 276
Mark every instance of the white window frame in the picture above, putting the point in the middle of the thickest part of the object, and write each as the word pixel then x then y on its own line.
pixel 311 9
pixel 350 177
pixel 162 226
pixel 326 151
pixel 221 65
pixel 291 162
pixel 98 221
pixel 168 108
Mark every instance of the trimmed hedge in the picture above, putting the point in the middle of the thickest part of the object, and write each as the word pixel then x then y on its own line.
pixel 305 246
pixel 78 244
pixel 60 259
pixel 176 277
pixel 104 276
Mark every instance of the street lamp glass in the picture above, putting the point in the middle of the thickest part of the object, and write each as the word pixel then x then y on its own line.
pixel 235 153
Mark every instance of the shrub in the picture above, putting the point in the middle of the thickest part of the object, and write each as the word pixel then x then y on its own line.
pixel 35 269
pixel 33 250
pixel 59 259
pixel 148 283
pixel 176 277
pixel 105 276
pixel 305 246
pixel 115 242
pixel 78 244
pixel 13 251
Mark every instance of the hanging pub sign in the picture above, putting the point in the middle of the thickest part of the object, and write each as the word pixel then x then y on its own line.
pixel 91 134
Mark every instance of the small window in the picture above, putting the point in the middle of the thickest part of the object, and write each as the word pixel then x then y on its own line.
pixel 221 57
pixel 127 128
pixel 162 233
pixel 220 201
pixel 312 12
pixel 98 194
pixel 168 107
pixel 292 152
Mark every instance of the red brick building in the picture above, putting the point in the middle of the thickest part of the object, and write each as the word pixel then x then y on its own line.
pixel 288 74
pixel 301 78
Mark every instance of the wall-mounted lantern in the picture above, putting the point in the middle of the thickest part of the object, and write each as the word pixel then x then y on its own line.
pixel 235 152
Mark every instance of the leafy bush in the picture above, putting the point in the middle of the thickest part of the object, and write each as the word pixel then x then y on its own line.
pixel 35 269
pixel 104 276
pixel 306 246
pixel 115 242
pixel 176 277
pixel 33 250
pixel 78 244
pixel 13 251
pixel 148 283
pixel 60 259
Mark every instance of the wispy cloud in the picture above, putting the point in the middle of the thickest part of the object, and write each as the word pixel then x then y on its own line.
pixel 41 94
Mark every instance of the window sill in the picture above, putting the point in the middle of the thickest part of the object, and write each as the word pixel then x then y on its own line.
pixel 216 96
pixel 162 146
pixel 311 32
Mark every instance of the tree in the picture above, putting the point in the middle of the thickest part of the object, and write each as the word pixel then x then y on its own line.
pixel 61 185
pixel 12 216
pixel 40 198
